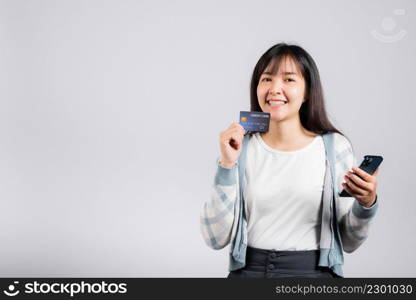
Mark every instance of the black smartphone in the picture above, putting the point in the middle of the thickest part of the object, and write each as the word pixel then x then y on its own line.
pixel 369 165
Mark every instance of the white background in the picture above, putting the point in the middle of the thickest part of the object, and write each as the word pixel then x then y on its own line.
pixel 110 113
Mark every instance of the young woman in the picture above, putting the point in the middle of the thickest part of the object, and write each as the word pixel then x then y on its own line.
pixel 275 198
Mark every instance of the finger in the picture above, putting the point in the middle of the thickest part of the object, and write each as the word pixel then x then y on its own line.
pixel 237 137
pixel 237 132
pixel 346 188
pixel 229 132
pixel 241 128
pixel 363 174
pixel 358 181
pixel 236 125
pixel 354 189
pixel 228 135
pixel 376 172
pixel 233 125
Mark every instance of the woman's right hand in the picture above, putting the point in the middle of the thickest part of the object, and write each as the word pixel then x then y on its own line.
pixel 231 141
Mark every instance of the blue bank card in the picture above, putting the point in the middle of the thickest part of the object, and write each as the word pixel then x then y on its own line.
pixel 254 121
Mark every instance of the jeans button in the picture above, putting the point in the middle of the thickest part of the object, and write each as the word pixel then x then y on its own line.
pixel 270 267
pixel 272 255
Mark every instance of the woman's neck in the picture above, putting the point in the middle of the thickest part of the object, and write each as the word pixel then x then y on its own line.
pixel 288 135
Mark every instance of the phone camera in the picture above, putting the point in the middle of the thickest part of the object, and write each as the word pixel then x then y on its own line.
pixel 367 161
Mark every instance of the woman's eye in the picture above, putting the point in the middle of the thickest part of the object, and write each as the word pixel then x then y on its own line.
pixel 269 79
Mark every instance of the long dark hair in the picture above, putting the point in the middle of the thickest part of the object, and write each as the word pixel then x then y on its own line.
pixel 312 113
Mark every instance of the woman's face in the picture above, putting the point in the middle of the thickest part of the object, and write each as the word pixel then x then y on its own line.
pixel 286 85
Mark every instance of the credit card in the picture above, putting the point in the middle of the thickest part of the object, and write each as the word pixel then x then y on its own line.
pixel 255 121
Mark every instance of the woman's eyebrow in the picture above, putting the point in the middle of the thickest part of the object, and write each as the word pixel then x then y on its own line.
pixel 284 73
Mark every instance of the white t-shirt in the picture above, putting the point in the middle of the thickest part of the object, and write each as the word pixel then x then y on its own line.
pixel 283 195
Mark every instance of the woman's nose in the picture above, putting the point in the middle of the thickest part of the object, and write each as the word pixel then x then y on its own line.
pixel 276 88
pixel 275 91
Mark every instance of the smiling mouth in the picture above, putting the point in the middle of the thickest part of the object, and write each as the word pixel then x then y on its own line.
pixel 276 102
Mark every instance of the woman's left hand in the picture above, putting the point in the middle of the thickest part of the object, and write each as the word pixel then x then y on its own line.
pixel 362 187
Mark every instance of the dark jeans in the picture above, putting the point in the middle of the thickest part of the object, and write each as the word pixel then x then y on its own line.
pixel 263 263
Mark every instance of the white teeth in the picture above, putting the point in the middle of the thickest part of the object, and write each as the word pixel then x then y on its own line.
pixel 276 102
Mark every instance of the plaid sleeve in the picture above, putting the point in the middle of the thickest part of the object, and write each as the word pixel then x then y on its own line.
pixel 217 215
pixel 353 218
